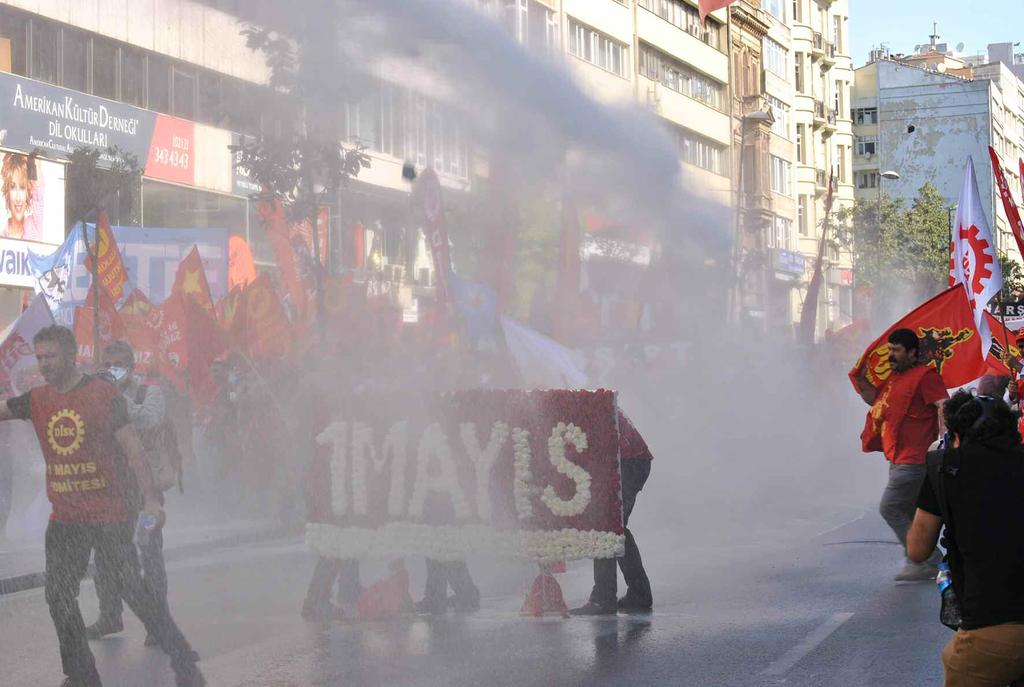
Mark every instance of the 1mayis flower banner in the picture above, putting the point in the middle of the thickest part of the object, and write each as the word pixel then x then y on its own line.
pixel 531 474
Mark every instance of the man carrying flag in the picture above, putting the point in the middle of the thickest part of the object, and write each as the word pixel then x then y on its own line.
pixel 905 418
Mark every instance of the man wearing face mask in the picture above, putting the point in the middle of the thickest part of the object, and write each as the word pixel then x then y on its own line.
pixel 903 422
pixel 147 412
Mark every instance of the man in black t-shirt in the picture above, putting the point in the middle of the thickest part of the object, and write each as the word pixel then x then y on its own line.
pixel 974 489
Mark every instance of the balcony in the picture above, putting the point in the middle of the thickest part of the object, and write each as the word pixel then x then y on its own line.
pixel 829 54
pixel 820 116
pixel 818 45
pixel 830 121
pixel 820 181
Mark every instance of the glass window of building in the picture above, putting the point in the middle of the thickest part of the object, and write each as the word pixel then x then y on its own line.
pixel 76 60
pixel 13 41
pixel 775 58
pixel 133 76
pixel 170 206
pixel 779 236
pixel 686 17
pixel 865 115
pixel 680 77
pixel 780 170
pixel 598 49
pixel 158 78
pixel 700 152
pixel 783 121
pixel 210 105
pixel 774 8
pixel 798 14
pixel 45 51
pixel 105 63
pixel 801 215
pixel 867 145
pixel 183 90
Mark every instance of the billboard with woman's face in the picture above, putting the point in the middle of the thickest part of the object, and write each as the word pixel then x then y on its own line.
pixel 32 192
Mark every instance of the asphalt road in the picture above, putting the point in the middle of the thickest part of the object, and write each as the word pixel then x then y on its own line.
pixel 787 604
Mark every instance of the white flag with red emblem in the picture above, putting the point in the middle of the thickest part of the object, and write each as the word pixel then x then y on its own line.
pixel 972 254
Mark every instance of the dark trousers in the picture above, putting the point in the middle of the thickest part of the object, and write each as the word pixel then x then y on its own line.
pixel 634 476
pixel 346 571
pixel 68 547
pixel 441 574
pixel 154 574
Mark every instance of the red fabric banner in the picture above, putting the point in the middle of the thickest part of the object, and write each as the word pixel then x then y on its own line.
pixel 1001 338
pixel 190 281
pixel 530 474
pixel 111 329
pixel 1012 214
pixel 111 271
pixel 706 7
pixel 271 212
pixel 949 342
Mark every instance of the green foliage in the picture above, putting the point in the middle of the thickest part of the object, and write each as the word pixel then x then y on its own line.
pixel 896 247
pixel 1013 277
pixel 106 179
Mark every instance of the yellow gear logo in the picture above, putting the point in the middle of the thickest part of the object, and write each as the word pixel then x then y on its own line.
pixel 65 432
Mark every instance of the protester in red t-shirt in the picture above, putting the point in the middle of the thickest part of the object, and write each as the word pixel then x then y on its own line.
pixel 635 465
pixel 87 441
pixel 903 422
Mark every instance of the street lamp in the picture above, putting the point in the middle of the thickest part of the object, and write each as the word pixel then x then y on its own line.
pixel 890 175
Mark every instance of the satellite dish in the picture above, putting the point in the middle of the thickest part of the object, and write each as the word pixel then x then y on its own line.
pixel 941 68
pixel 960 47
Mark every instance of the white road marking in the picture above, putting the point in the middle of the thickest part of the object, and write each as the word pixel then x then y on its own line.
pixel 809 643
pixel 839 527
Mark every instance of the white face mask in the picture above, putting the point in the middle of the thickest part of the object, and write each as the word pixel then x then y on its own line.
pixel 118 373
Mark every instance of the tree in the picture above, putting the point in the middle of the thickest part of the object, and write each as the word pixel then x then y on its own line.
pixel 305 162
pixel 895 247
pixel 1013 277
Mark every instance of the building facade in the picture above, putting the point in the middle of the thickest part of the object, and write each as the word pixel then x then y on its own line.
pixel 921 116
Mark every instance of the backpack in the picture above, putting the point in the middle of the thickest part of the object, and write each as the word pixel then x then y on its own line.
pixel 162 452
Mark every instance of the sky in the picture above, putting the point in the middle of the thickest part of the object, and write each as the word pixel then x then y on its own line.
pixel 902 24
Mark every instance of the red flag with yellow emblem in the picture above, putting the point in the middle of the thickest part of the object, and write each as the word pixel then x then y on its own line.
pixel 949 342
pixel 110 269
pixel 204 339
pixel 1001 338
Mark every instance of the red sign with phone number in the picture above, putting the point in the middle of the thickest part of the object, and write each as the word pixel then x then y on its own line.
pixel 172 150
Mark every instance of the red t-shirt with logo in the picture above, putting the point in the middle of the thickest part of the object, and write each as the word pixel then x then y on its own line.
pixel 84 477
pixel 920 426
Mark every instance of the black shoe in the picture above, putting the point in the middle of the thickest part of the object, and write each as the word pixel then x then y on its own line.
pixel 75 682
pixel 629 604
pixel 431 607
pixel 591 608
pixel 187 674
pixel 103 627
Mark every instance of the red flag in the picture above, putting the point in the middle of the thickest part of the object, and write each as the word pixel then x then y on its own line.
pixel 949 342
pixel 111 328
pixel 706 7
pixel 144 339
pixel 809 313
pixel 241 265
pixel 1001 338
pixel 1012 214
pixel 271 212
pixel 110 269
pixel 190 281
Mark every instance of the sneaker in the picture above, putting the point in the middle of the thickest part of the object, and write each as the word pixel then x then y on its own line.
pixel 591 608
pixel 75 682
pixel 917 572
pixel 103 627
pixel 629 604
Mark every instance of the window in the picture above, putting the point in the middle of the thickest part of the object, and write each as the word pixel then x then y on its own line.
pixel 104 68
pixel 14 28
pixel 800 148
pixel 45 51
pixel 701 152
pixel 133 77
pixel 686 17
pixel 210 105
pixel 799 82
pixel 837 34
pixel 843 157
pixel 780 171
pixel 680 77
pixel 542 30
pixel 779 235
pixel 75 57
pixel 802 208
pixel 867 145
pixel 184 90
pixel 783 125
pixel 839 100
pixel 775 58
pixel 159 79
pixel 798 13
pixel 775 8
pixel 865 115
pixel 867 179
pixel 362 120
pixel 598 49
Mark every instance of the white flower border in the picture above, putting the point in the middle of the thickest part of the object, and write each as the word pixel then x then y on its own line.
pixel 458 542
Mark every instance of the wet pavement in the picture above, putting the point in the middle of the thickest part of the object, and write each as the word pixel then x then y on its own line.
pixel 804 602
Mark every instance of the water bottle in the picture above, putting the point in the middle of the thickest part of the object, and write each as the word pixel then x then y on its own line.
pixel 144 527
pixel 949 614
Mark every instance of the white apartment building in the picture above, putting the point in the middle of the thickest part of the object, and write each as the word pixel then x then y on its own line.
pixel 922 115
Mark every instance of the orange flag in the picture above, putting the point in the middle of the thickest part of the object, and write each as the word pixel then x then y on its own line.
pixel 110 267
pixel 266 330
pixel 949 342
pixel 190 282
